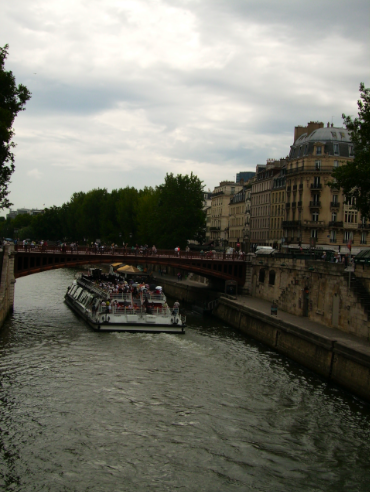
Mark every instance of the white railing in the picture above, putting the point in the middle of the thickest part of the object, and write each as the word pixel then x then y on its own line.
pixel 155 297
pixel 125 297
pixel 158 311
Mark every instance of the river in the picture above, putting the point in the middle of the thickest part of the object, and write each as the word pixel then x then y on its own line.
pixel 211 410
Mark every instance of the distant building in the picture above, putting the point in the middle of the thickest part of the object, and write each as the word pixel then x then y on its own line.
pixel 219 228
pixel 21 211
pixel 261 200
pixel 277 209
pixel 244 176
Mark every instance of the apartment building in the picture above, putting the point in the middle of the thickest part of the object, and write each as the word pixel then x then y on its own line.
pixel 277 209
pixel 261 201
pixel 237 218
pixel 219 228
pixel 315 212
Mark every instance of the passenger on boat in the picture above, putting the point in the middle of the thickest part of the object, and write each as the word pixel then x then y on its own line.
pixel 176 307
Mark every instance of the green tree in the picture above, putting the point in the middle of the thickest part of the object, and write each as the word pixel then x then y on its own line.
pixel 12 100
pixel 178 212
pixel 126 210
pixel 354 177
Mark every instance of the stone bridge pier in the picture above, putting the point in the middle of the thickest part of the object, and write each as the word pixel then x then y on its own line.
pixel 7 281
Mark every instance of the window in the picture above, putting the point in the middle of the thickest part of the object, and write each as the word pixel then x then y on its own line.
pixel 318 165
pixel 318 150
pixel 305 149
pixel 334 216
pixel 271 277
pixel 351 200
pixel 316 181
pixel 316 199
pixel 334 134
pixel 261 277
pixel 350 216
pixel 336 149
pixel 314 233
pixel 363 238
pixel 335 164
pixel 315 217
pixel 335 199
pixel 350 150
pixel 333 236
pixel 348 236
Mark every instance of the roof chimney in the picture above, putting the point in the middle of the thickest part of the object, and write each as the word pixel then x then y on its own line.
pixel 327 126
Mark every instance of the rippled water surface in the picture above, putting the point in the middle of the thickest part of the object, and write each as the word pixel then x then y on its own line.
pixel 210 410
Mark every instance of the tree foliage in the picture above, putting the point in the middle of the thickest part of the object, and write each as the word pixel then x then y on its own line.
pixel 178 211
pixel 166 216
pixel 12 100
pixel 354 177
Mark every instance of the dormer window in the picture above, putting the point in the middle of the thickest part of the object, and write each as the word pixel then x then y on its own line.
pixel 318 150
pixel 305 149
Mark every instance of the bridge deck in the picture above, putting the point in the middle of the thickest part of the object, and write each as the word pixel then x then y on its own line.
pixel 217 265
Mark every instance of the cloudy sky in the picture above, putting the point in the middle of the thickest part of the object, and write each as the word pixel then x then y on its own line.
pixel 124 91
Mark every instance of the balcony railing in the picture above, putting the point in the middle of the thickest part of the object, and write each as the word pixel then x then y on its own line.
pixel 315 204
pixel 334 204
pixel 295 170
pixel 333 240
pixel 294 187
pixel 316 186
pixel 314 223
pixel 291 223
pixel 335 223
pixel 311 169
pixel 294 204
pixel 364 226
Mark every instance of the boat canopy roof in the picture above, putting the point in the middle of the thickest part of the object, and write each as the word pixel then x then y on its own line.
pixel 128 269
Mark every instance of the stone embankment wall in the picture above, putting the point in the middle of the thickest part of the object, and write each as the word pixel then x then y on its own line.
pixel 7 283
pixel 187 293
pixel 316 289
pixel 343 362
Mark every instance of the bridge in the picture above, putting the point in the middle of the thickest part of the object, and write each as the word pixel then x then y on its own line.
pixel 214 266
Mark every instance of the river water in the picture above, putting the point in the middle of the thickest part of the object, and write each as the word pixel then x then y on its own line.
pixel 211 410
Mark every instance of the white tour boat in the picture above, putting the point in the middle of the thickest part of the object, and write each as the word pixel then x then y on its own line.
pixel 131 309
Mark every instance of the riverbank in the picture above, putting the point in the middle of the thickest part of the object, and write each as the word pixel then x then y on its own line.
pixel 338 356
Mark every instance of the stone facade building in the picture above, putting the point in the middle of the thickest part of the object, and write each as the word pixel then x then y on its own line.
pixel 277 209
pixel 261 201
pixel 315 212
pixel 219 228
pixel 237 218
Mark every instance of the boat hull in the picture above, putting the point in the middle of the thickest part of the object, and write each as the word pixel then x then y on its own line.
pixel 127 323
